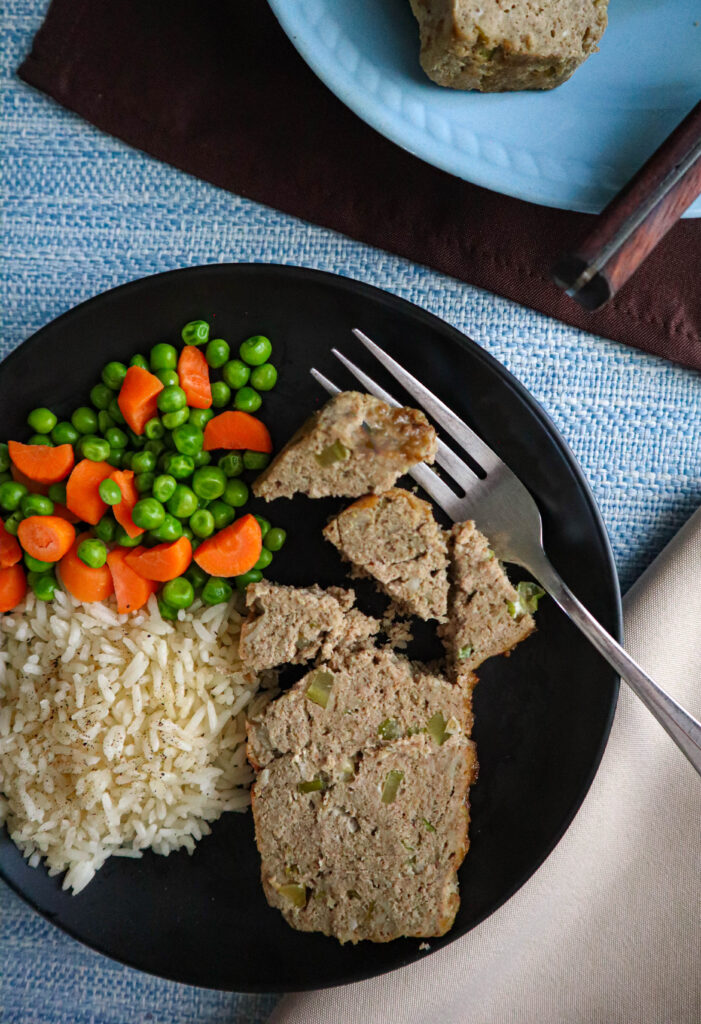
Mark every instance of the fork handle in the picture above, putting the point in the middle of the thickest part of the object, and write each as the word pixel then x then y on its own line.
pixel 679 724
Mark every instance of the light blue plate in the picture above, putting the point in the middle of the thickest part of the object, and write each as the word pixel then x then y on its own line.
pixel 573 147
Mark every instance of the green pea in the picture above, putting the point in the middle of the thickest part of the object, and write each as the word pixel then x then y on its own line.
pixel 154 429
pixel 144 482
pixel 139 360
pixel 4 477
pixel 216 591
pixel 148 513
pixel 175 419
pixel 57 492
pixel 115 459
pixel 179 593
pixel 110 493
pixel 235 373
pixel 143 462
pixel 42 421
pixel 105 422
pixel 64 433
pixel 256 350
pixel 200 417
pixel 202 523
pixel 101 396
pixel 166 611
pixel 247 400
pixel 231 463
pixel 113 375
pixel 12 523
pixel 264 525
pixel 92 552
pixel 43 584
pixel 264 378
pixel 196 332
pixel 4 457
pixel 164 357
pixel 164 487
pixel 126 459
pixel 116 413
pixel 11 494
pixel 275 538
pixel 198 577
pixel 84 419
pixel 136 440
pixel 170 529
pixel 183 502
pixel 217 352
pixel 179 466
pixel 35 565
pixel 255 460
pixel 168 378
pixel 35 505
pixel 264 560
pixel 188 439
pixel 94 448
pixel 236 493
pixel 156 447
pixel 252 576
pixel 41 439
pixel 209 482
pixel 122 538
pixel 116 438
pixel 106 529
pixel 202 459
pixel 221 394
pixel 223 514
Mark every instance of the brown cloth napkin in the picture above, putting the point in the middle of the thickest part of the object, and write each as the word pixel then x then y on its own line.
pixel 216 89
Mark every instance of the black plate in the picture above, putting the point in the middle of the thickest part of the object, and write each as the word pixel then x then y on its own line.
pixel 542 716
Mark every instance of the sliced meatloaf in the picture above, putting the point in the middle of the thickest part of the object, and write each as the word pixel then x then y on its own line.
pixel 360 801
pixel 295 624
pixel 394 538
pixel 494 46
pixel 486 614
pixel 354 444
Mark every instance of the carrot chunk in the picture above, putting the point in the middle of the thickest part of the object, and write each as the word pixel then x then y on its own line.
pixel 232 551
pixel 10 551
pixel 47 538
pixel 138 396
pixel 163 562
pixel 32 485
pixel 131 590
pixel 236 431
pixel 82 490
pixel 13 587
pixel 82 582
pixel 124 478
pixel 40 463
pixel 193 372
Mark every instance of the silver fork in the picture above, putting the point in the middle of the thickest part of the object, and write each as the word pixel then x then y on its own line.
pixel 505 510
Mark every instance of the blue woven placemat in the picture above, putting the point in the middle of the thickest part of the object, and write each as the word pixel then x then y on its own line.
pixel 83 213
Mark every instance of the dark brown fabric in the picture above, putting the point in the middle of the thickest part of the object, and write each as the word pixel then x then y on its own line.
pixel 215 88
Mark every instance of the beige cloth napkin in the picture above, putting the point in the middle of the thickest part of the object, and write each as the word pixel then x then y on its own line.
pixel 608 930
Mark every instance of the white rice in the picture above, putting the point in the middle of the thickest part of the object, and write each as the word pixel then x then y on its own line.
pixel 120 733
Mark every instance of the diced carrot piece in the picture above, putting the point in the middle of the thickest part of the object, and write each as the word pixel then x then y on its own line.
pixel 124 478
pixel 10 551
pixel 42 464
pixel 193 372
pixel 31 485
pixel 237 431
pixel 47 538
pixel 85 584
pixel 65 513
pixel 163 562
pixel 82 490
pixel 131 590
pixel 13 587
pixel 232 551
pixel 138 397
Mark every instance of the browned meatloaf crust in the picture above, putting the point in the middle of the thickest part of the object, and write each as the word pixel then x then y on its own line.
pixel 394 538
pixel 353 445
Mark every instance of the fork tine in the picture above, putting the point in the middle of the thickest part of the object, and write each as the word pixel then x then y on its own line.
pixel 445 456
pixel 440 412
pixel 424 475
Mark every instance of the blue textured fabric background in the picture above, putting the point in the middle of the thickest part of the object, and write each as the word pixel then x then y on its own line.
pixel 83 213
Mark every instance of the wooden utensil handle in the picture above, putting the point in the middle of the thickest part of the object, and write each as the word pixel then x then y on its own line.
pixel 636 219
